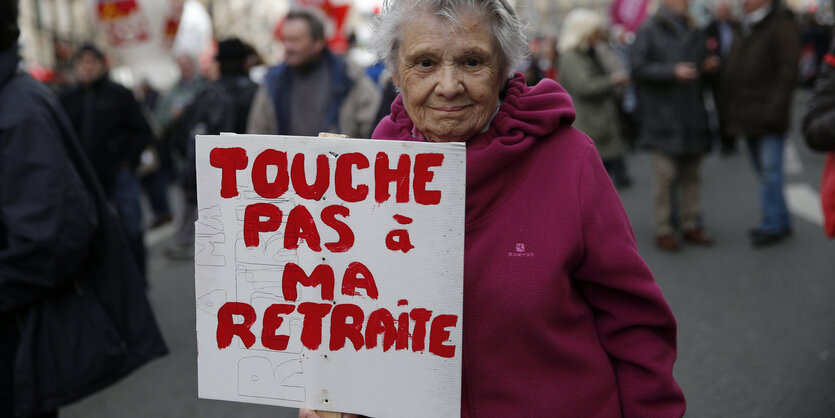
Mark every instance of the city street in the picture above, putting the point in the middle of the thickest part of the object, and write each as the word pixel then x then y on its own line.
pixel 756 331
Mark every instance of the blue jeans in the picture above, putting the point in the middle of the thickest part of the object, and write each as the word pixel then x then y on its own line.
pixel 767 156
pixel 156 186
pixel 124 196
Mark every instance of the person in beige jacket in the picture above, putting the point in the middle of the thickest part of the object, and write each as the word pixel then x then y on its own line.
pixel 313 90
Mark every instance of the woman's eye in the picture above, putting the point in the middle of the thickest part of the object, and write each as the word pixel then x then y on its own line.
pixel 425 63
pixel 472 62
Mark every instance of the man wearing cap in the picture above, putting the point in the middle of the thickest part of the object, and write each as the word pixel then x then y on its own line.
pixel 113 131
pixel 313 90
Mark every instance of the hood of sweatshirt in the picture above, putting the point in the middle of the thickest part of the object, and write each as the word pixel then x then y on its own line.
pixel 499 159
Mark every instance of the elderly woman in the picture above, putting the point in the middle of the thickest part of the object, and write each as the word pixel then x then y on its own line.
pixel 593 88
pixel 583 330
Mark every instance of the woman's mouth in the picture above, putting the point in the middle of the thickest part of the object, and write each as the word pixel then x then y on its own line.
pixel 448 109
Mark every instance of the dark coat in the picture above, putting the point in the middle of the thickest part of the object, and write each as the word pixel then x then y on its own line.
pixel 61 251
pixel 223 106
pixel 760 76
pixel 819 121
pixel 713 46
pixel 119 130
pixel 242 90
pixel 671 114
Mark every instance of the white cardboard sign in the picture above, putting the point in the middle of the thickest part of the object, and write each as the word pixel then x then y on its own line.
pixel 329 273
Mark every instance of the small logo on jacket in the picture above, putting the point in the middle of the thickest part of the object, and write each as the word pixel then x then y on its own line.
pixel 521 251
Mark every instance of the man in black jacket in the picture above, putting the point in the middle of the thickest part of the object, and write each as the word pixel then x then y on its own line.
pixel 47 216
pixel 57 235
pixel 113 131
pixel 668 62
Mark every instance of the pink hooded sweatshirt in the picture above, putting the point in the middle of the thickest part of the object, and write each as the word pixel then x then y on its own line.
pixel 562 317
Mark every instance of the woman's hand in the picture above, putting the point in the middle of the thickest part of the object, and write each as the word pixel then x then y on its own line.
pixel 309 413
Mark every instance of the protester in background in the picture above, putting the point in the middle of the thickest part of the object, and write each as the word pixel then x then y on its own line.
pixel 533 73
pixel 58 239
pixel 543 60
pixel 152 175
pixel 113 131
pixel 234 59
pixel 549 57
pixel 758 83
pixel 819 131
pixel 586 331
pixel 169 112
pixel 592 88
pixel 668 61
pixel 222 106
pixel 819 121
pixel 170 108
pixel 389 93
pixel 814 41
pixel 719 35
pixel 620 42
pixel 313 90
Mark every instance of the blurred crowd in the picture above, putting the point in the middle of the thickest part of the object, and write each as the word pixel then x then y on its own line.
pixel 672 88
pixel 678 90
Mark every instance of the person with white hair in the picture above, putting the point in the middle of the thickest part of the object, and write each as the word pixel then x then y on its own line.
pixel 562 317
pixel 593 88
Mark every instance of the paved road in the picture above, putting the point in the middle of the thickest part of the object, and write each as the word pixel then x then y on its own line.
pixel 756 327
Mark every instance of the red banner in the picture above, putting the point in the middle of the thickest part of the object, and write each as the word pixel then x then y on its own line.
pixel 123 22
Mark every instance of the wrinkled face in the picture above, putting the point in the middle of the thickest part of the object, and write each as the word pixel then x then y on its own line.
pixel 299 45
pixel 88 67
pixel 749 6
pixel 450 78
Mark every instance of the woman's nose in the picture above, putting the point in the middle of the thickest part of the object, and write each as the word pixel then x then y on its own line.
pixel 449 83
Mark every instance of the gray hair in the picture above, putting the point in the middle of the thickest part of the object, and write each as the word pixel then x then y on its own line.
pixel 577 28
pixel 506 27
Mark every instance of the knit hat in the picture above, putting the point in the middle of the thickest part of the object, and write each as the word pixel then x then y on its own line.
pixel 91 48
pixel 232 49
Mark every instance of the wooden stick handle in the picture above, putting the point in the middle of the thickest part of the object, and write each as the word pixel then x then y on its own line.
pixel 328 414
